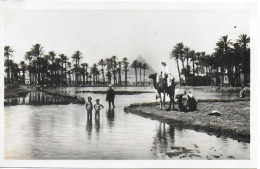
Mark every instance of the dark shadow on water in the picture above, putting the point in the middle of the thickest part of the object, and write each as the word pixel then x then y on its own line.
pixel 110 116
pixel 97 124
pixel 89 127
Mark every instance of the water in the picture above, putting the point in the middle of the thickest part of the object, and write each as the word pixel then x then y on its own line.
pixel 63 132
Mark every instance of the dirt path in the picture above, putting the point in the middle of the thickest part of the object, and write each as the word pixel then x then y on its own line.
pixel 234 121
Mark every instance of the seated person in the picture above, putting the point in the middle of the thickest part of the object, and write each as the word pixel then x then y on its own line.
pixel 242 92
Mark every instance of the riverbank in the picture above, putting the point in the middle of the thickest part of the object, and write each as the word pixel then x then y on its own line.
pixel 11 92
pixel 234 121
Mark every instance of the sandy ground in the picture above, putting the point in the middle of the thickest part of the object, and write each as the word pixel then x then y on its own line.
pixel 234 121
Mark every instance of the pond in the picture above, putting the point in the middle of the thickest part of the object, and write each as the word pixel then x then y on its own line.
pixel 35 131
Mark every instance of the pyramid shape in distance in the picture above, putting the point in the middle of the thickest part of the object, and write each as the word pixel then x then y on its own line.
pixel 131 73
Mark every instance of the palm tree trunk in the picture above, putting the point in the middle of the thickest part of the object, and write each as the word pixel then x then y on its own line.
pixel 144 78
pixel 135 76
pixel 178 71
pixel 103 74
pixel 193 69
pixel 125 77
pixel 8 70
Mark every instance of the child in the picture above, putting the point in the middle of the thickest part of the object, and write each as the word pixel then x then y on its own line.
pixel 97 108
pixel 89 107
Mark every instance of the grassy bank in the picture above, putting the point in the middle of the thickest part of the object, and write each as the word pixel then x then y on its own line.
pixel 234 123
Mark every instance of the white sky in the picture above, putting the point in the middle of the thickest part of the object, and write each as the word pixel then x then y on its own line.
pixel 101 33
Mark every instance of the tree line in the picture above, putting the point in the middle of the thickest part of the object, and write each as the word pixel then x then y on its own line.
pixel 54 69
pixel 231 58
pixel 194 68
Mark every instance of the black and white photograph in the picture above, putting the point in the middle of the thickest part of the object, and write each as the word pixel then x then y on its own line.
pixel 138 82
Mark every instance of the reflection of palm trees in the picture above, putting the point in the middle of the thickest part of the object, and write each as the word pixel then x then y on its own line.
pixel 110 116
pixel 164 138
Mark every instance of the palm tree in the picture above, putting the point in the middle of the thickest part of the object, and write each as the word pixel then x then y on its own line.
pixel 23 68
pixel 37 52
pixel 57 70
pixel 28 56
pixel 52 54
pixel 140 66
pixel 114 67
pixel 125 68
pixel 176 53
pixel 94 72
pixel 85 67
pixel 69 72
pixel 186 70
pixel 135 65
pixel 109 69
pixel 244 40
pixel 193 58
pixel 186 51
pixel 197 61
pixel 8 52
pixel 64 60
pixel 223 49
pixel 102 64
pixel 119 69
pixel 76 58
pixel 144 66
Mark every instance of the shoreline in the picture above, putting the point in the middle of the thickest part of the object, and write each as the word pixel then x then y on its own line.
pixel 234 123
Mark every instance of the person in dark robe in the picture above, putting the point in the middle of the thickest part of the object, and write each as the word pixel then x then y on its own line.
pixel 110 96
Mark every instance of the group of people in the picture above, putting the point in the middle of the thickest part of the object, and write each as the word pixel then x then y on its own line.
pixel 110 97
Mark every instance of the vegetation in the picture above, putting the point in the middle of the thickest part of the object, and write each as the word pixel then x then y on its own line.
pixel 229 59
pixel 54 69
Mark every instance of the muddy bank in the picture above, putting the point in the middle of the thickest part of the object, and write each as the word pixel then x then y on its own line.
pixel 234 121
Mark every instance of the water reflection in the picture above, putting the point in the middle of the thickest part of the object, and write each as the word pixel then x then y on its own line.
pixel 65 132
pixel 36 98
pixel 110 116
pixel 164 138
pixel 97 124
pixel 89 126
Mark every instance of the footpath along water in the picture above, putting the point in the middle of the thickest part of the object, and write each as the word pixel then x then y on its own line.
pixel 63 132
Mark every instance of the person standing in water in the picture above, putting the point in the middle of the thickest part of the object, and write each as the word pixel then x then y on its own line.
pixel 89 107
pixel 110 96
pixel 97 108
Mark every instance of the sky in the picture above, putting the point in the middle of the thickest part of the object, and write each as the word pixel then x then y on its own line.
pixel 102 33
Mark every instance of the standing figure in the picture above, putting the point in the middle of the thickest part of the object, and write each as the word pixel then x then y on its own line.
pixel 97 108
pixel 110 96
pixel 165 73
pixel 89 107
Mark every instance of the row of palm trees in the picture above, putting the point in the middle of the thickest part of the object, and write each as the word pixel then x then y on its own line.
pixel 141 66
pixel 228 58
pixel 52 69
